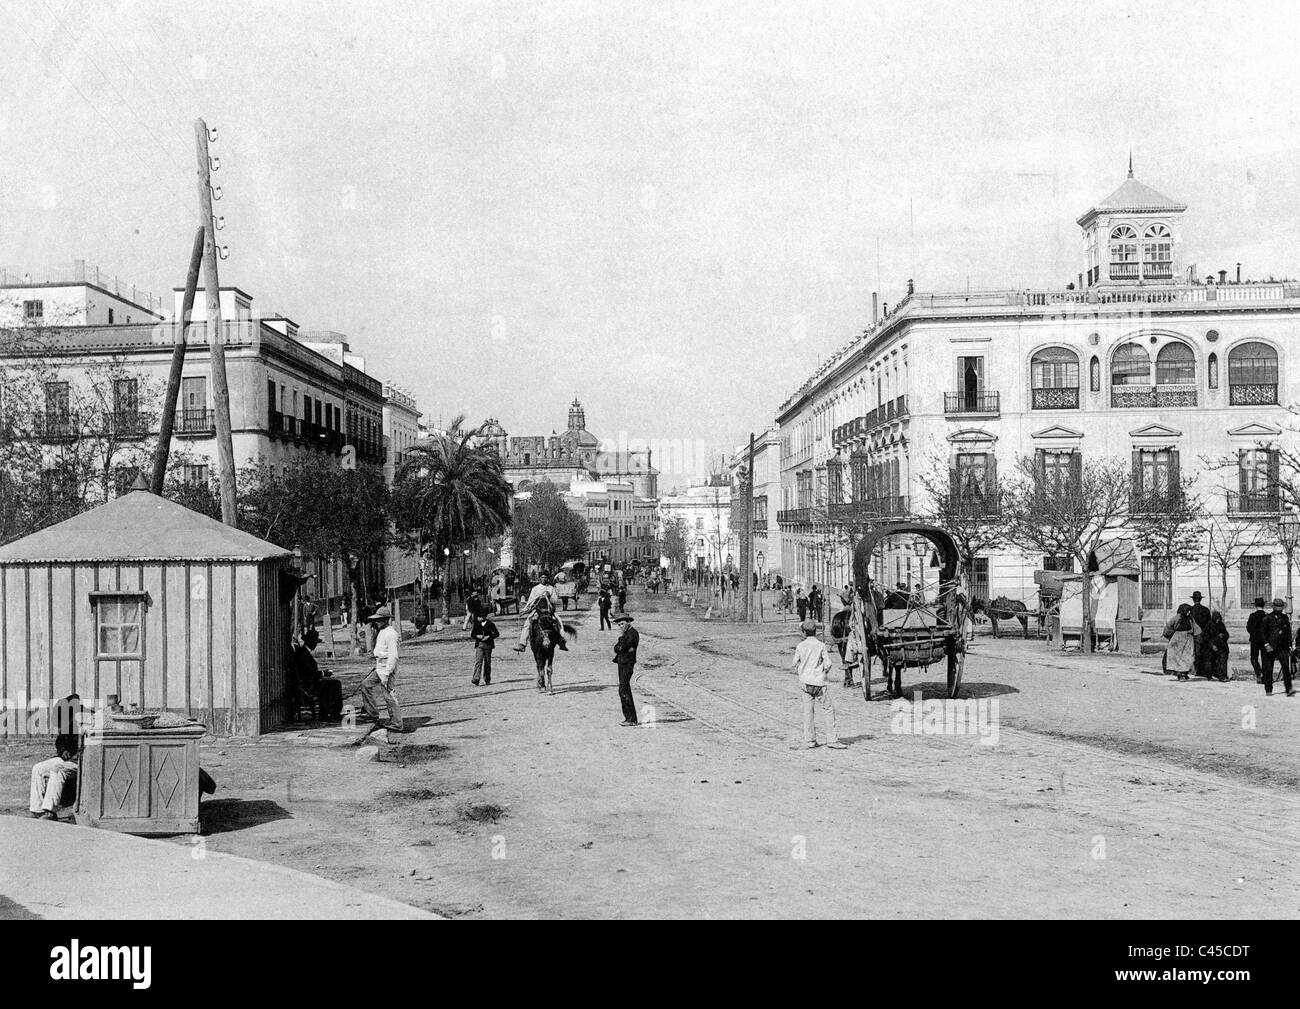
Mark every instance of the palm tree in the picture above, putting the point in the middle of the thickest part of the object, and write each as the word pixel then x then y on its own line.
pixel 450 490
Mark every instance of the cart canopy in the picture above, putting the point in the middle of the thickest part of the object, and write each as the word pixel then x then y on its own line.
pixel 944 544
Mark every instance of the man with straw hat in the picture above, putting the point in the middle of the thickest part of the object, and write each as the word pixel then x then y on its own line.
pixel 380 682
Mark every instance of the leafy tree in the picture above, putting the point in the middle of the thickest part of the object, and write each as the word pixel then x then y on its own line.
pixel 1068 516
pixel 546 531
pixel 675 542
pixel 449 491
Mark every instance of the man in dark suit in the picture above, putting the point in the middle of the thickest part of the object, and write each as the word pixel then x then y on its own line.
pixel 1277 647
pixel 1255 631
pixel 625 656
pixel 604 602
pixel 1201 617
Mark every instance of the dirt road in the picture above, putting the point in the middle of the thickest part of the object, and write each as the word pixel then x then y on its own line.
pixel 1110 791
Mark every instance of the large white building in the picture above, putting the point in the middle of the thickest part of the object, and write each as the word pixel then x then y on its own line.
pixel 1142 359
pixel 706 511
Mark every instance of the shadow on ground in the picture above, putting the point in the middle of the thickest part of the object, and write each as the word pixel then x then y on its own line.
pixel 221 816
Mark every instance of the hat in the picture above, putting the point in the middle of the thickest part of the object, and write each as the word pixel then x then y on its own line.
pixel 1259 600
pixel 1196 595
pixel 809 627
pixel 383 613
pixel 623 618
pixel 1278 604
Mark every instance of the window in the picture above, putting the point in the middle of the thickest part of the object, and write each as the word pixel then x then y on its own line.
pixel 979 588
pixel 699 524
pixel 1252 375
pixel 1256 578
pixel 1058 562
pixel 1157 253
pixel 110 317
pixel 1124 253
pixel 126 397
pixel 33 311
pixel 194 473
pixel 1094 374
pixel 119 621
pixel 1212 371
pixel 1257 482
pixel 1155 476
pixel 1054 375
pixel 1058 469
pixel 1175 365
pixel 1157 584
pixel 1131 365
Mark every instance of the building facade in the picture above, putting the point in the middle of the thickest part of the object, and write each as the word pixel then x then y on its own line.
pixel 705 510
pixel 1141 360
pixel 766 547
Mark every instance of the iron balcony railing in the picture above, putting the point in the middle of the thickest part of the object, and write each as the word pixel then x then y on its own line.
pixel 869 509
pixel 1263 502
pixel 1149 397
pixel 1149 502
pixel 975 505
pixel 794 516
pixel 126 424
pixel 1056 399
pixel 982 402
pixel 193 422
pixel 56 426
pixel 1252 394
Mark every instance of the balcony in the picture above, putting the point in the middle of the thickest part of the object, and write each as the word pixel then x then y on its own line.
pixel 125 424
pixel 1262 502
pixel 1056 399
pixel 983 404
pixel 1148 397
pixel 1254 394
pixel 1123 271
pixel 281 425
pixel 1149 502
pixel 53 428
pixel 868 510
pixel 195 423
pixel 974 504
pixel 794 516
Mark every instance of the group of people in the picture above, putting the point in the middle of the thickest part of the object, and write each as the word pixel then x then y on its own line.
pixel 1198 643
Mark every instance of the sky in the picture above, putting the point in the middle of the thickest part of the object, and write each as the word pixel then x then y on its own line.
pixel 671 211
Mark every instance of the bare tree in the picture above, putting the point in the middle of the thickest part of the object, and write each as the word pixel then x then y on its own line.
pixel 1227 541
pixel 970 510
pixel 1169 526
pixel 1068 515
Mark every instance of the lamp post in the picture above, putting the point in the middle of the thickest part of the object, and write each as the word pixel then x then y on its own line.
pixel 446 590
pixel 1288 536
pixel 761 561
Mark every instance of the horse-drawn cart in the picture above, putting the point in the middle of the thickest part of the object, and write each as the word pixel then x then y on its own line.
pixel 901 629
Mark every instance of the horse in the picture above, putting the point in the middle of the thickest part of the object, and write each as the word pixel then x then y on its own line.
pixel 545 634
pixel 1002 608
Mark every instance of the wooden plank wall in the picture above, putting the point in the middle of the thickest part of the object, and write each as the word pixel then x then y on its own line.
pixel 214 645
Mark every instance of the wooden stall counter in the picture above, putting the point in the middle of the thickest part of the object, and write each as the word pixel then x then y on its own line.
pixel 141 781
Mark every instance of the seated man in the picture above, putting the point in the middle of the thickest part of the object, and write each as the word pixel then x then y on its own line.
pixel 304 674
pixel 54 781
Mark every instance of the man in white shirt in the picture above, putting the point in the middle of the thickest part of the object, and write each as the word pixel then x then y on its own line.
pixel 811 662
pixel 543 589
pixel 380 682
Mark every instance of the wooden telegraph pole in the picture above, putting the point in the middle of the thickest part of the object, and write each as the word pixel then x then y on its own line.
pixel 216 336
pixel 178 363
pixel 747 538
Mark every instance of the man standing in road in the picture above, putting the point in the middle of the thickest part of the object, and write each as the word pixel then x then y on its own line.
pixel 603 603
pixel 622 596
pixel 1255 631
pixel 484 633
pixel 625 657
pixel 381 682
pixel 1277 647
pixel 811 662
pixel 1201 616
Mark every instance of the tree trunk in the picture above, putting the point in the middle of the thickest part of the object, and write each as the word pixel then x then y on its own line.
pixel 1085 645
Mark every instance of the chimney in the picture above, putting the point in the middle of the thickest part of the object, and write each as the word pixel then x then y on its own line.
pixel 1223 276
pixel 1238 273
pixel 875 308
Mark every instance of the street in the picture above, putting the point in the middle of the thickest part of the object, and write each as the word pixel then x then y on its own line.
pixel 1110 791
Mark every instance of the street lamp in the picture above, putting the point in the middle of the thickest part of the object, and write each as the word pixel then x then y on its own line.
pixel 1288 536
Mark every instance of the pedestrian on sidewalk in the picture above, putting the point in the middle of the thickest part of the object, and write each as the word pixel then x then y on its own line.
pixel 380 683
pixel 603 603
pixel 625 657
pixel 1200 614
pixel 622 596
pixel 801 603
pixel 1277 647
pixel 1255 631
pixel 811 662
pixel 1181 632
pixel 484 634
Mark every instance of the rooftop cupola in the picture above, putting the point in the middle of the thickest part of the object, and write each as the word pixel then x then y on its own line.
pixel 1132 236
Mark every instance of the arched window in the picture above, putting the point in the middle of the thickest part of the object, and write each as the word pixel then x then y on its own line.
pixel 1157 253
pixel 1124 253
pixel 1131 365
pixel 1054 376
pixel 1212 370
pixel 1252 375
pixel 1175 365
pixel 1094 374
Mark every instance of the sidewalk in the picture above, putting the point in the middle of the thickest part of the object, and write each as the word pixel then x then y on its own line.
pixel 61 871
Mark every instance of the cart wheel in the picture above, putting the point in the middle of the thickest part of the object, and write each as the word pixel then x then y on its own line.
pixel 956 666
